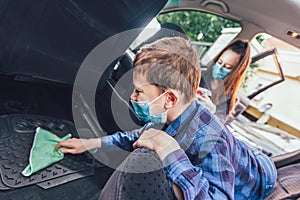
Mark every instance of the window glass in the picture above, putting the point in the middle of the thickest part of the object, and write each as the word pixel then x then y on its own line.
pixel 284 96
pixel 209 33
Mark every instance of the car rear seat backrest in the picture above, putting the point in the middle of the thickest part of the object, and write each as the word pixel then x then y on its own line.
pixel 287 159
pixel 287 184
pixel 132 181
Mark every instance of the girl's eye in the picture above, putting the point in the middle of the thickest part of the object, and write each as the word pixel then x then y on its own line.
pixel 228 67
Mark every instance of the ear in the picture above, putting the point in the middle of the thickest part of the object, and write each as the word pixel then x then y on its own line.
pixel 172 99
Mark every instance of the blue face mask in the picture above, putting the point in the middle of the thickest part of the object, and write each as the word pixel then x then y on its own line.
pixel 142 110
pixel 218 72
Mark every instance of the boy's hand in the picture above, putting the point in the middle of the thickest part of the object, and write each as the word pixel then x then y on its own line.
pixel 158 141
pixel 77 146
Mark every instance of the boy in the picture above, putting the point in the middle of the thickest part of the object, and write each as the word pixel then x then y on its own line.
pixel 200 156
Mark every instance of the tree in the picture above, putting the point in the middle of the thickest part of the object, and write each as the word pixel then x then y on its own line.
pixel 196 23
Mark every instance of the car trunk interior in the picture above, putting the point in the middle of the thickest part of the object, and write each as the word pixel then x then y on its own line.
pixel 38 98
pixel 43 46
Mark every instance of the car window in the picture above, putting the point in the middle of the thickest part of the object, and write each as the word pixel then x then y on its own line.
pixel 265 71
pixel 278 106
pixel 282 93
pixel 209 33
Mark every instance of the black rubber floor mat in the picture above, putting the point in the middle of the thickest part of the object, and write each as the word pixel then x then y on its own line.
pixel 3 186
pixel 15 149
pixel 86 188
pixel 64 179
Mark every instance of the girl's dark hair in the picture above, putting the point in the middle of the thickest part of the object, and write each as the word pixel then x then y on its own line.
pixel 239 47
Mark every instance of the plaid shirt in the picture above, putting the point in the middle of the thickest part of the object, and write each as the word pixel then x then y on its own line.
pixel 212 164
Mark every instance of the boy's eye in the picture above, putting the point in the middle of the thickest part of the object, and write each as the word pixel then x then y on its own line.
pixel 137 91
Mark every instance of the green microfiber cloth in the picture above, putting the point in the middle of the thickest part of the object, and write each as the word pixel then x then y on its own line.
pixel 43 152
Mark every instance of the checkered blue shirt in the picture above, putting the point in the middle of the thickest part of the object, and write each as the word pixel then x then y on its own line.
pixel 211 163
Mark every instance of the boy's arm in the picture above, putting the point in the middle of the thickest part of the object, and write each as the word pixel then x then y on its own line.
pixel 77 146
pixel 123 140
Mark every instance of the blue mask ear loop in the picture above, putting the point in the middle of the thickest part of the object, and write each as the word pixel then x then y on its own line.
pixel 155 99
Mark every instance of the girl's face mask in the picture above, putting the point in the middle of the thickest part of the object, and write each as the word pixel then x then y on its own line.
pixel 142 110
pixel 218 72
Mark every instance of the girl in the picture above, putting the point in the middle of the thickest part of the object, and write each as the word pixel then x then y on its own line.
pixel 225 74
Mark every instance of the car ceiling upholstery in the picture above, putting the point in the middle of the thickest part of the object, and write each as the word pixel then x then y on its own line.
pixel 276 17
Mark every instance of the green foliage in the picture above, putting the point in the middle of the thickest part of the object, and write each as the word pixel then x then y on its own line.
pixel 259 38
pixel 195 23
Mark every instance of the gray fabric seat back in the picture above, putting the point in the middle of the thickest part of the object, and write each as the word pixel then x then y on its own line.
pixel 140 176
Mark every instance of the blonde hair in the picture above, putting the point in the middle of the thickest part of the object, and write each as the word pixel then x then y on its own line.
pixel 170 63
pixel 233 81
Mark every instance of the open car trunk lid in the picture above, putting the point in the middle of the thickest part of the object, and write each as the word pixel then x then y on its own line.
pixel 49 39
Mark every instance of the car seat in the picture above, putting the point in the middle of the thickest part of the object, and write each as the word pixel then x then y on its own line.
pixel 142 169
pixel 288 179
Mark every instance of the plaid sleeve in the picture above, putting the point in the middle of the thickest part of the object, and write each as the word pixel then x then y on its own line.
pixel 123 140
